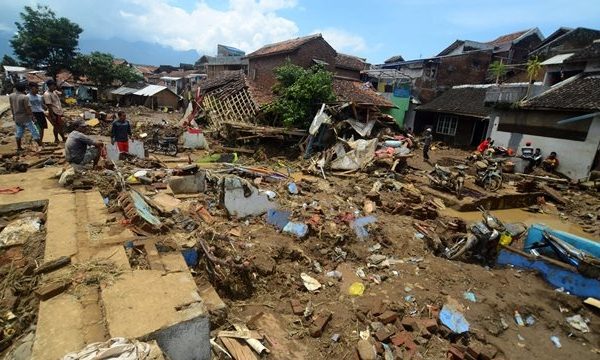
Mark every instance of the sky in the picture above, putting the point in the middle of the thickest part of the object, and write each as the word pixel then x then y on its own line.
pixel 375 30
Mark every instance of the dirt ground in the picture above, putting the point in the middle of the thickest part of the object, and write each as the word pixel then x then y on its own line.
pixel 401 270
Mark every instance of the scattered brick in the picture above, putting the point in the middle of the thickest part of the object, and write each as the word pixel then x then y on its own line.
pixel 454 353
pixel 421 340
pixel 318 326
pixel 388 317
pixel 379 348
pixel 383 334
pixel 49 291
pixel 378 307
pixel 408 323
pixel 400 338
pixel 297 307
pixel 361 317
pixel 430 324
pixel 471 352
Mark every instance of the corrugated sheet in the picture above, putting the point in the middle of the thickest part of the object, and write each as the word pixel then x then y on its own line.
pixel 150 90
pixel 123 90
pixel 558 59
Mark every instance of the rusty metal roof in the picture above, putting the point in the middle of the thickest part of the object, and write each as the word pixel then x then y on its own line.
pixel 359 93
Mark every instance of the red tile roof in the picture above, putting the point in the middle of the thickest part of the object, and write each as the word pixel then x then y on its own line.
pixel 359 93
pixel 284 46
pixel 350 62
pixel 506 38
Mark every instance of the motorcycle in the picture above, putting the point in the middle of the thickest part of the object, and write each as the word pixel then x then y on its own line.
pixel 488 174
pixel 443 177
pixel 165 144
pixel 484 238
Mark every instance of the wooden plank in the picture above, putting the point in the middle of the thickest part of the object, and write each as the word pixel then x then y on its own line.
pixel 53 265
pixel 241 334
pixel 237 349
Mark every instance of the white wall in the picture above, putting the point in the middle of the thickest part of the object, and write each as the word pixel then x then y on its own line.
pixel 575 157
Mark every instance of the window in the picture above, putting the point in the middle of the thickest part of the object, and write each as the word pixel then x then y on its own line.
pixel 446 125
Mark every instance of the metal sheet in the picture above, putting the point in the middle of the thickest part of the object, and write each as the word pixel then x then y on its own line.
pixel 150 90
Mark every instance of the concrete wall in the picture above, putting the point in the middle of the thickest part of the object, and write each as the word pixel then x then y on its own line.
pixel 576 157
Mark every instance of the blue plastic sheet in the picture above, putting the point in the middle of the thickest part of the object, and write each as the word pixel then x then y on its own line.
pixel 454 319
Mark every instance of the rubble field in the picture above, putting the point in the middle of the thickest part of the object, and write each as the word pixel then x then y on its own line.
pixel 336 265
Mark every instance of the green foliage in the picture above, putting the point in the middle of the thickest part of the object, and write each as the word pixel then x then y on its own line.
pixel 533 68
pixel 301 92
pixel 8 61
pixel 100 68
pixel 498 69
pixel 43 40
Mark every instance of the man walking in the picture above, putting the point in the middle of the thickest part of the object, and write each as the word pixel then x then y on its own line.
pixel 55 111
pixel 120 132
pixel 427 144
pixel 37 108
pixel 22 115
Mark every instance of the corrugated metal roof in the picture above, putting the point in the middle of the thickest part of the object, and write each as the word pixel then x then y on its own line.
pixel 150 90
pixel 124 90
pixel 170 78
pixel 14 68
pixel 558 59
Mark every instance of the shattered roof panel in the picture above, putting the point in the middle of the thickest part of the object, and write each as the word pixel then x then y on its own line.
pixel 284 46
pixel 359 93
pixel 350 62
pixel 463 100
pixel 578 93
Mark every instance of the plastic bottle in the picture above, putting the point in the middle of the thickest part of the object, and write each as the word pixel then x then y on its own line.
pixel 519 319
pixel 556 341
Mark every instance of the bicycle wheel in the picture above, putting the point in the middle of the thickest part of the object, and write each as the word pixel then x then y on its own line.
pixel 172 149
pixel 464 244
pixel 150 146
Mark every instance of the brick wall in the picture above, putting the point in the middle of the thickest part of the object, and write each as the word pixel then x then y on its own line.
pixel 468 68
pixel 261 68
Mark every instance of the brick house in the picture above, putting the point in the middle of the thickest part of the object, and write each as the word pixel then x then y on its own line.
pixel 304 52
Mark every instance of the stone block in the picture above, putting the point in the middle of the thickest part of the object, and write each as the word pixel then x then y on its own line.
pixel 188 184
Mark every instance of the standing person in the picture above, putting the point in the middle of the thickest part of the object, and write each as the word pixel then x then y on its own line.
pixel 484 145
pixel 37 108
pixel 22 115
pixel 55 111
pixel 427 144
pixel 80 149
pixel 120 132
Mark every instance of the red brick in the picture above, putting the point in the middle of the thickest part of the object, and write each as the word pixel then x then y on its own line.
pixel 297 307
pixel 472 352
pixel 378 307
pixel 430 324
pixel 408 323
pixel 388 317
pixel 49 291
pixel 383 334
pixel 318 326
pixel 399 338
pixel 456 354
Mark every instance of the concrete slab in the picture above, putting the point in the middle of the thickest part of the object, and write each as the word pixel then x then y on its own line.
pixel 61 319
pixel 242 199
pixel 150 304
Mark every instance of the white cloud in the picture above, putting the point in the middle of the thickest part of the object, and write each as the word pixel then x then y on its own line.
pixel 343 41
pixel 245 24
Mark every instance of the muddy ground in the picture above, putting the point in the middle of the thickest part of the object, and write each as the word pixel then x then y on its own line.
pixel 413 283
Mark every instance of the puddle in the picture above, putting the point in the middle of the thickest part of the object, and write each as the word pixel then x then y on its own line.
pixel 519 215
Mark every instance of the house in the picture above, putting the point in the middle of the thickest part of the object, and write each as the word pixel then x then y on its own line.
pixel 457 117
pixel 228 59
pixel 565 40
pixel 181 80
pixel 348 66
pixel 148 95
pixel 304 52
pixel 396 88
pixel 564 117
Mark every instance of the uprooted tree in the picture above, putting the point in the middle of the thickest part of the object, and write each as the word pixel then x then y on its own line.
pixel 300 93
pixel 102 70
pixel 45 41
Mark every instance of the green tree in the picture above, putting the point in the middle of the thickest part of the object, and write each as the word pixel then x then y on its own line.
pixel 301 92
pixel 45 41
pixel 100 68
pixel 8 60
pixel 498 69
pixel 533 68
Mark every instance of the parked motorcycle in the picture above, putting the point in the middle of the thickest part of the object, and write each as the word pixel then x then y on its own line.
pixel 443 177
pixel 484 238
pixel 488 174
pixel 165 144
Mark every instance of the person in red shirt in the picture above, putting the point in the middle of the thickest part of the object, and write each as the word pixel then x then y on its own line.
pixel 484 145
